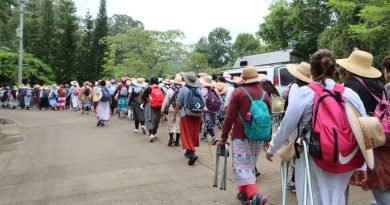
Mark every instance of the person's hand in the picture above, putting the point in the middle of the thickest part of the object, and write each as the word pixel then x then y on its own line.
pixel 265 146
pixel 220 141
pixel 174 118
pixel 269 156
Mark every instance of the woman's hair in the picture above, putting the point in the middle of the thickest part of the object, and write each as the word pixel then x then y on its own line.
pixel 103 83
pixel 323 65
pixel 154 80
pixel 386 63
pixel 269 88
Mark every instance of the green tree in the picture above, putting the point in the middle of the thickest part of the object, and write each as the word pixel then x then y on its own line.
pixel 219 48
pixel 142 53
pixel 295 24
pixel 120 22
pixel 31 30
pixel 99 44
pixel 5 9
pixel 47 29
pixel 35 72
pixel 202 46
pixel 245 44
pixel 196 62
pixel 67 37
pixel 86 57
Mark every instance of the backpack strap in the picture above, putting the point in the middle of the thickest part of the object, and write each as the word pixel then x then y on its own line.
pixel 362 82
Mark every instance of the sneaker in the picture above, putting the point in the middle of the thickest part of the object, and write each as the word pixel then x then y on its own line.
pixel 143 129
pixel 259 199
pixel 204 139
pixel 151 138
pixel 136 131
pixel 242 198
pixel 192 160
pixel 214 140
pixel 291 186
pixel 188 154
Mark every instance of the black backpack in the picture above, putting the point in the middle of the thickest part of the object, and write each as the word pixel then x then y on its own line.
pixel 87 91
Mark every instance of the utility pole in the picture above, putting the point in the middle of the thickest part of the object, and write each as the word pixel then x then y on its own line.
pixel 20 35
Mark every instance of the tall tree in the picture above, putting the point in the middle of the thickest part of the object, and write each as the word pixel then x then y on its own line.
pixel 120 22
pixel 219 49
pixel 67 36
pixel 47 30
pixel 86 57
pixel 245 44
pixel 31 33
pixel 5 9
pixel 202 46
pixel 99 44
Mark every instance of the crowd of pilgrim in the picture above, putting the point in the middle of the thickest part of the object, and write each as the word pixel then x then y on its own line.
pixel 196 103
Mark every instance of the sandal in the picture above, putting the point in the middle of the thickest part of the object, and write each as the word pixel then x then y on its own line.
pixel 259 199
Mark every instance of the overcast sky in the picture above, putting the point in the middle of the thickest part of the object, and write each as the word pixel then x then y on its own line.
pixel 196 18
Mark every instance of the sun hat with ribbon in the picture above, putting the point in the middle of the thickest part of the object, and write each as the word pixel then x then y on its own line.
pixel 249 75
pixel 359 63
pixel 221 88
pixel 368 133
pixel 140 82
pixel 97 95
pixel 191 79
pixel 207 81
pixel 300 71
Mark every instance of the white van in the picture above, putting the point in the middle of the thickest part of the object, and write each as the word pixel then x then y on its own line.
pixel 277 74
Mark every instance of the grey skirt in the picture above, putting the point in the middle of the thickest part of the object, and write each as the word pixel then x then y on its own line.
pixel 152 117
pixel 138 113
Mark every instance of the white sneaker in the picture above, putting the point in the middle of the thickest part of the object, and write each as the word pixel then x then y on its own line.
pixel 136 131
pixel 151 138
pixel 143 129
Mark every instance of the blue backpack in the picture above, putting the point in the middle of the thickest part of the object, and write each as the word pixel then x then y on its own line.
pixel 258 127
pixel 194 102
pixel 106 94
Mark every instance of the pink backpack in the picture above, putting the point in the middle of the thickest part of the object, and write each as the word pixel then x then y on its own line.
pixel 382 111
pixel 332 143
pixel 156 97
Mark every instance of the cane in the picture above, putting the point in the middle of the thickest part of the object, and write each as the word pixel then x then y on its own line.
pixel 226 155
pixel 216 168
pixel 284 175
pixel 307 179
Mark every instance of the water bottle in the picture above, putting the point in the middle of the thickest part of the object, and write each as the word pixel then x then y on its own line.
pixel 248 117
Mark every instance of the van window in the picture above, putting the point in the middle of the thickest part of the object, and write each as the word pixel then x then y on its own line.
pixel 243 63
pixel 285 77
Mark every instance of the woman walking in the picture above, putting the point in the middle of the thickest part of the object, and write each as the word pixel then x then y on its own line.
pixel 153 97
pixel 103 97
pixel 328 182
pixel 61 93
pixel 136 101
pixel 168 107
pixel 122 94
pixel 74 92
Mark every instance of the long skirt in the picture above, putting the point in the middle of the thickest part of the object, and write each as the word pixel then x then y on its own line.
pixel 12 102
pixel 152 117
pixel 103 111
pixel 21 101
pixel 328 188
pixel 53 102
pixel 138 113
pixel 122 104
pixel 189 130
pixel 27 101
pixel 75 101
pixel 173 126
pixel 61 103
pixel 35 101
pixel 245 154
pixel 44 103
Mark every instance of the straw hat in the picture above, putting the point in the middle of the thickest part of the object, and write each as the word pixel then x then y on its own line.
pixel 128 82
pixel 140 82
pixel 262 77
pixel 277 103
pixel 201 75
pixel 368 132
pixel 237 80
pixel 191 79
pixel 359 63
pixel 83 98
pixel 74 83
pixel 207 81
pixel 300 71
pixel 178 80
pixel 97 95
pixel 249 75
pixel 221 87
pixel 228 77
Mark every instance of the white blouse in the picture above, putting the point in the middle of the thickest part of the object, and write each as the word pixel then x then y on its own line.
pixel 300 107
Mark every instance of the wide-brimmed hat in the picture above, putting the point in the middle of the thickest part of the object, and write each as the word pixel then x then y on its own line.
pixel 300 71
pixel 128 82
pixel 277 104
pixel 191 79
pixel 74 83
pixel 97 95
pixel 207 81
pixel 368 133
pixel 201 75
pixel 178 80
pixel 140 82
pixel 221 87
pixel 228 77
pixel 237 80
pixel 249 75
pixel 359 63
pixel 83 98
pixel 262 77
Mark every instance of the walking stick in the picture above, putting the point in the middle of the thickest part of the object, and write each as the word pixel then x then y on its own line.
pixel 222 150
pixel 307 180
pixel 216 168
pixel 284 175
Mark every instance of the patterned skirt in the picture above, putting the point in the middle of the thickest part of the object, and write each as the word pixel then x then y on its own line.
pixel 61 102
pixel 245 154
